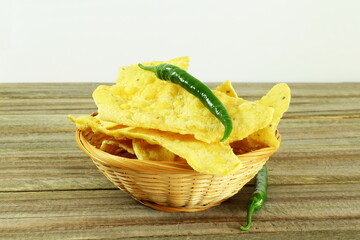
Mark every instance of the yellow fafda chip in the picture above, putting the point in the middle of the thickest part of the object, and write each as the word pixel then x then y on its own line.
pixel 207 158
pixel 129 74
pixel 227 88
pixel 279 99
pixel 146 151
pixel 214 158
pixel 110 145
pixel 147 102
pixel 181 113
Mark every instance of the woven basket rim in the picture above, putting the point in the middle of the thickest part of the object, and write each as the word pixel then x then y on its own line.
pixel 137 165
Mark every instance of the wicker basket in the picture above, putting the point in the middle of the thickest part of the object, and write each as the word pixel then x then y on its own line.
pixel 171 186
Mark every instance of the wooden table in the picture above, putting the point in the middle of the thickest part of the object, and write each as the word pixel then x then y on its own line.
pixel 49 189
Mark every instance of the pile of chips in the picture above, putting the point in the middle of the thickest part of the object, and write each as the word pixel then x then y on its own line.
pixel 145 118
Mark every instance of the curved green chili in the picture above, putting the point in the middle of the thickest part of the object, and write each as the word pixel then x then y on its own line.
pixel 259 197
pixel 195 87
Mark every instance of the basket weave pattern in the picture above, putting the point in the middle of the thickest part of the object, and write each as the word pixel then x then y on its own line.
pixel 171 186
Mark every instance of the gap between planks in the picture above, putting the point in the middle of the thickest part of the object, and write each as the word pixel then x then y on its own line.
pixel 63 190
pixel 250 184
pixel 322 117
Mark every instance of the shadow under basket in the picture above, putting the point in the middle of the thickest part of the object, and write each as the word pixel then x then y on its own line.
pixel 172 186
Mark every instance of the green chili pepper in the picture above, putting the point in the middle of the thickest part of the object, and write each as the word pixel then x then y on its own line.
pixel 195 87
pixel 259 197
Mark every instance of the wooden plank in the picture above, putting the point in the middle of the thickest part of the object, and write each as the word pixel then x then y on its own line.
pixel 111 214
pixel 246 90
pixel 40 153
pixel 46 90
pixel 113 228
pixel 317 150
pixel 41 161
pixel 308 100
pixel 51 190
pixel 48 106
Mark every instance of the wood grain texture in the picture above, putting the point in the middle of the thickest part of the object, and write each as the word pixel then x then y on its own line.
pixel 50 190
pixel 111 214
pixel 310 100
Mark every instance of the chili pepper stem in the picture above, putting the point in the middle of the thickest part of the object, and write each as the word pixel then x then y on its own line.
pixel 149 68
pixel 250 212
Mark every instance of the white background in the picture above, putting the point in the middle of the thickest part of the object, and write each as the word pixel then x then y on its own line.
pixel 243 41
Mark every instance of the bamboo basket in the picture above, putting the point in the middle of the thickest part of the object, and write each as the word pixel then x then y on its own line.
pixel 171 186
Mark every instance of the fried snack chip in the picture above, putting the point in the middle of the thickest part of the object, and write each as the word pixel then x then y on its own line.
pixel 278 98
pixel 129 74
pixel 145 151
pixel 227 88
pixel 208 158
pixel 112 146
pixel 214 158
pixel 156 104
